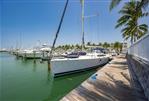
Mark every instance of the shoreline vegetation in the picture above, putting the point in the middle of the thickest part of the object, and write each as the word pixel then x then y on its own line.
pixel 112 46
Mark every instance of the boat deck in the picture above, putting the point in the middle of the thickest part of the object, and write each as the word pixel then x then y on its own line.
pixel 80 58
pixel 112 83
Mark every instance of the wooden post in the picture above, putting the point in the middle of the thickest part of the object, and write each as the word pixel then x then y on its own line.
pixel 34 52
pixel 25 56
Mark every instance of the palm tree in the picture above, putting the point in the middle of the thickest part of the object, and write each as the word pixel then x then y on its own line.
pixel 105 45
pixel 100 44
pixel 88 43
pixel 129 19
pixel 118 46
pixel 143 3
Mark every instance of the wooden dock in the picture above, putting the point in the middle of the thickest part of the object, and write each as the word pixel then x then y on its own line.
pixel 112 83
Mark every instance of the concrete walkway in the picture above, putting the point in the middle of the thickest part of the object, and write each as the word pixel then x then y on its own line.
pixel 112 83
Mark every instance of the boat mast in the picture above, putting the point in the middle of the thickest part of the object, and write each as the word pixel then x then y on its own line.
pixel 58 30
pixel 20 40
pixel 82 17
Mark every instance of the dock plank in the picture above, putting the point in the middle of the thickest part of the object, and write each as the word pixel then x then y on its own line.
pixel 112 83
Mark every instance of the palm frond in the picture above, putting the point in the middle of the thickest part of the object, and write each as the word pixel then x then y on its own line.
pixel 121 23
pixel 143 27
pixel 124 18
pixel 124 11
pixel 114 3
pixel 126 29
pixel 144 4
pixel 145 14
pixel 81 1
pixel 140 34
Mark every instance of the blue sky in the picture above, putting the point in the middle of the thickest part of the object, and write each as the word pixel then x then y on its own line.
pixel 28 21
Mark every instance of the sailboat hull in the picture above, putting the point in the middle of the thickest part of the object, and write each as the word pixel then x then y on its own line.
pixel 72 65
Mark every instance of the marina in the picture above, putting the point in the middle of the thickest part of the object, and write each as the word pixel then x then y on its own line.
pixel 72 50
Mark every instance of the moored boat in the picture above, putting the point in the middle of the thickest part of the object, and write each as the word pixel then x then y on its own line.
pixel 75 62
pixel 63 66
pixel 31 54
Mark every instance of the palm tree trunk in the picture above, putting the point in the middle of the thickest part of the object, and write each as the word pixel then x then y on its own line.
pixel 131 40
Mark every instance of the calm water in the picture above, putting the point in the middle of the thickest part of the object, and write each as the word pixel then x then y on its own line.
pixel 26 80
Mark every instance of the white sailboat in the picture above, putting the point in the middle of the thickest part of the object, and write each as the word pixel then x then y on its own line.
pixel 70 65
pixel 67 65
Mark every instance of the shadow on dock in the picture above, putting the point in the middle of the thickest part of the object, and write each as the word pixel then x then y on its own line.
pixel 113 83
pixel 105 91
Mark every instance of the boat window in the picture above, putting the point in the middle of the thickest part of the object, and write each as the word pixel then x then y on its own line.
pixel 101 55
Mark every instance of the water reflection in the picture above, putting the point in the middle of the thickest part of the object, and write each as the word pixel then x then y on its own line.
pixel 17 58
pixel 34 66
pixel 37 77
pixel 50 77
pixel 49 68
